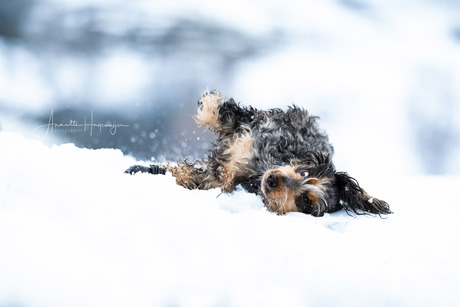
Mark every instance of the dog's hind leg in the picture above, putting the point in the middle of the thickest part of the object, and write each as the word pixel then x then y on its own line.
pixel 207 113
pixel 222 116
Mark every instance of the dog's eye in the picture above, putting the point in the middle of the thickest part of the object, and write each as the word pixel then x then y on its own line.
pixel 305 198
pixel 305 205
pixel 304 174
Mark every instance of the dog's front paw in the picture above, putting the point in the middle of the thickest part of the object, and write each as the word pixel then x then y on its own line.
pixel 152 169
pixel 208 109
pixel 136 169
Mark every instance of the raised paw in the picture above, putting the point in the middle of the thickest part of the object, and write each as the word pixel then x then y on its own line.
pixel 205 94
pixel 152 169
pixel 208 109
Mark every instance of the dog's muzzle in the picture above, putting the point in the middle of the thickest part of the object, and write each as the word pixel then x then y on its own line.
pixel 276 179
pixel 279 190
pixel 273 181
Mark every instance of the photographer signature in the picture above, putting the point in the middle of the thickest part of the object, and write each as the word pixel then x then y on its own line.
pixel 41 132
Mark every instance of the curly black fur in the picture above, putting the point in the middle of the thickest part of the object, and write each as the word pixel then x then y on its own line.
pixel 353 198
pixel 283 156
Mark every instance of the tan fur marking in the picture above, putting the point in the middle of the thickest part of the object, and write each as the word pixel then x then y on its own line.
pixel 208 113
pixel 313 197
pixel 290 170
pixel 319 182
pixel 282 199
pixel 240 151
pixel 183 176
pixel 313 181
pixel 187 177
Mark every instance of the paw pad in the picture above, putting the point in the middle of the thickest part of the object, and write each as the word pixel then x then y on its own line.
pixel 206 94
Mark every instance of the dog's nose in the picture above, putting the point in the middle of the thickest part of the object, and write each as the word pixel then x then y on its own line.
pixel 272 181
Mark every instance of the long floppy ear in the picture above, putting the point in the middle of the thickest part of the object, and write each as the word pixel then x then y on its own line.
pixel 353 198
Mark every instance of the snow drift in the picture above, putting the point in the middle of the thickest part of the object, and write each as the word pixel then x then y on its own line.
pixel 76 231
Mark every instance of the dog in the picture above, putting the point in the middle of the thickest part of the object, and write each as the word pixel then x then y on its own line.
pixel 282 156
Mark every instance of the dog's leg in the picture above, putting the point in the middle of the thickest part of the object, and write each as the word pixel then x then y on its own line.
pixel 189 175
pixel 207 113
pixel 196 175
pixel 220 115
pixel 152 169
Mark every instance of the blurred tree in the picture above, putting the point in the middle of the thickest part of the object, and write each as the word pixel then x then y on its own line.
pixel 13 15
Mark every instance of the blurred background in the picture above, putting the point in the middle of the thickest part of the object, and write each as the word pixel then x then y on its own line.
pixel 383 75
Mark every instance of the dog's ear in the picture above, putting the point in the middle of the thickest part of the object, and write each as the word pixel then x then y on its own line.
pixel 316 158
pixel 353 198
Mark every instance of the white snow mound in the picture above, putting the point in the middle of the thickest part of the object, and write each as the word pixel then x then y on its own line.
pixel 76 231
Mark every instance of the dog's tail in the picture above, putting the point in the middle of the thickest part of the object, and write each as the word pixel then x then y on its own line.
pixel 353 198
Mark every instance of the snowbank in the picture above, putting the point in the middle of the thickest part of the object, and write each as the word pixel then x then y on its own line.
pixel 76 231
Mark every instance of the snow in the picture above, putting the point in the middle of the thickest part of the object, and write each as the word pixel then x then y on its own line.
pixel 76 231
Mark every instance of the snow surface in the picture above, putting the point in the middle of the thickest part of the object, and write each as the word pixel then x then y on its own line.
pixel 76 231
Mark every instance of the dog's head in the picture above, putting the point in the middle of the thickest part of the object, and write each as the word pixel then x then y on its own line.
pixel 313 186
